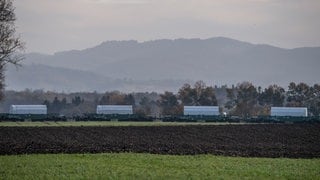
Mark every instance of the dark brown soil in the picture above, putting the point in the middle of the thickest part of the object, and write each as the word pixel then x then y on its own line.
pixel 261 140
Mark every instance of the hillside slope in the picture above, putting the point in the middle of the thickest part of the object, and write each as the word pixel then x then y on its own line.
pixel 215 60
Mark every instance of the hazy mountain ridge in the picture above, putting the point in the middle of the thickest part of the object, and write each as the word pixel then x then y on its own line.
pixel 215 60
pixel 37 76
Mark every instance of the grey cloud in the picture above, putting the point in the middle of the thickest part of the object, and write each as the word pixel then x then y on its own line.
pixel 49 26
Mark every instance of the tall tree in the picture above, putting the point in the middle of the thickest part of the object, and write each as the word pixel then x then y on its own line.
pixel 9 42
pixel 129 99
pixel 313 102
pixel 274 95
pixel 144 106
pixel 297 94
pixel 247 98
pixel 77 100
pixel 231 98
pixel 169 104
pixel 186 94
pixel 114 98
pixel 207 97
pixel 199 95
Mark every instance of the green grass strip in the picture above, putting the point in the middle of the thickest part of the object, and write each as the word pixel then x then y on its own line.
pixel 148 166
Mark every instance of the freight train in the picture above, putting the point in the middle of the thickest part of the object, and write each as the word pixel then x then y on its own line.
pixel 168 118
pixel 126 113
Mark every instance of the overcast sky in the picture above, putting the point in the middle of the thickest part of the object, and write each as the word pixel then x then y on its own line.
pixel 48 26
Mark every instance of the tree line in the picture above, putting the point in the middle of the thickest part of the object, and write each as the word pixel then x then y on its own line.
pixel 243 99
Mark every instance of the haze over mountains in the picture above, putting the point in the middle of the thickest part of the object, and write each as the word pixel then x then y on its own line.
pixel 165 65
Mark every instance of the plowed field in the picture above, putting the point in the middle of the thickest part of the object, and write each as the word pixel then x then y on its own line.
pixel 261 140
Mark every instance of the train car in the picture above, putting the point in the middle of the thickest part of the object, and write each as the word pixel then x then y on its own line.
pixel 26 112
pixel 201 111
pixel 28 109
pixel 289 111
pixel 115 109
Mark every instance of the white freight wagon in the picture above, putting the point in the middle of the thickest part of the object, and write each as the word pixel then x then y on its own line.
pixel 28 109
pixel 114 109
pixel 289 111
pixel 201 110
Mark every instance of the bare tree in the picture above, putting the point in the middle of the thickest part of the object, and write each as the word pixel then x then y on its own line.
pixel 9 42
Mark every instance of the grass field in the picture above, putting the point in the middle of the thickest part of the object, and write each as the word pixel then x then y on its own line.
pixel 106 123
pixel 148 166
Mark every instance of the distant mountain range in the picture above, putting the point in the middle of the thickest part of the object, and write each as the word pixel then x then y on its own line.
pixel 58 79
pixel 165 65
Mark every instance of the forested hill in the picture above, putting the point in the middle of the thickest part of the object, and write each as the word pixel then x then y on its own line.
pixel 37 76
pixel 215 60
